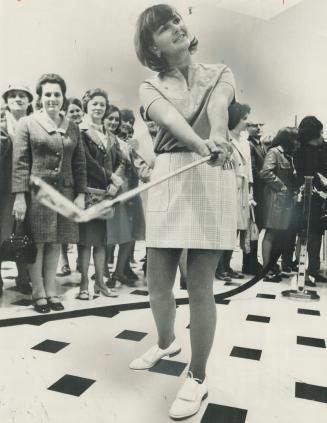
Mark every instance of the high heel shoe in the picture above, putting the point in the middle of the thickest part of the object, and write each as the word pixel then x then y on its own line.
pixel 55 305
pixel 122 279
pixel 104 291
pixel 41 308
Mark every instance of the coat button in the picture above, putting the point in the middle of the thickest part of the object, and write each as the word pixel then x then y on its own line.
pixel 56 169
pixel 57 153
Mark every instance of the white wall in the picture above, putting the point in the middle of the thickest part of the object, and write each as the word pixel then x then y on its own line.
pixel 278 53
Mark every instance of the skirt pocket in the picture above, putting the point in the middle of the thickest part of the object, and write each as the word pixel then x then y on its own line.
pixel 159 196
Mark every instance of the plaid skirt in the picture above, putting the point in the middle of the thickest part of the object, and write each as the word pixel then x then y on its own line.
pixel 196 209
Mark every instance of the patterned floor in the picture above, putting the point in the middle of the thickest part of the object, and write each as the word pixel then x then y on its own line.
pixel 268 364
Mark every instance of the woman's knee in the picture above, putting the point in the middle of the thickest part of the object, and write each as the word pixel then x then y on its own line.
pixel 199 291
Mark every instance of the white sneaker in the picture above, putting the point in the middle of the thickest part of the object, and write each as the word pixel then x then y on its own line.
pixel 189 398
pixel 153 355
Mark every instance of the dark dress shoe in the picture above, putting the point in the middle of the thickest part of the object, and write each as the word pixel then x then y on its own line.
pixel 123 280
pixel 41 308
pixel 273 278
pixel 319 277
pixel 223 276
pixel 234 275
pixel 110 283
pixel 55 305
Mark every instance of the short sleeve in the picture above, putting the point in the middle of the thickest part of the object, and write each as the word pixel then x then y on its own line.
pixel 148 95
pixel 227 77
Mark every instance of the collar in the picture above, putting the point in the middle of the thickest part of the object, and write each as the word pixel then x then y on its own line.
pixel 87 127
pixel 47 124
pixel 254 139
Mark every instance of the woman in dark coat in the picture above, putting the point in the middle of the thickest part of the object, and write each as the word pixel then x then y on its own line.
pixel 311 160
pixel 48 145
pixel 127 225
pixel 279 175
pixel 18 101
pixel 102 159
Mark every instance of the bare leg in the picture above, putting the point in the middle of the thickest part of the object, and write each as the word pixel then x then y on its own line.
pixel 50 263
pixel 200 275
pixel 84 256
pixel 99 258
pixel 36 274
pixel 183 266
pixel 267 246
pixel 23 276
pixel 162 267
pixel 64 255
pixel 123 257
pixel 1 281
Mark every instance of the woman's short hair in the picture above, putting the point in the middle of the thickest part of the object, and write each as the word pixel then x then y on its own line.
pixel 73 100
pixel 127 115
pixel 113 109
pixel 148 22
pixel 236 112
pixel 285 138
pixel 93 93
pixel 51 78
pixel 309 129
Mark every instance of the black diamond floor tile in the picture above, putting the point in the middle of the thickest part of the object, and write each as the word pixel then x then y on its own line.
pixel 104 312
pixel 23 302
pixel 72 385
pixel 131 335
pixel 71 284
pixel 311 392
pixel 221 413
pixel 50 346
pixel 168 367
pixel 308 311
pixel 267 296
pixel 140 292
pixel 219 301
pixel 311 342
pixel 248 353
pixel 232 283
pixel 255 318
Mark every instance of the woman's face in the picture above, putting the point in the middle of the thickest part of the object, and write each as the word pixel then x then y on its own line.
pixel 74 113
pixel 242 125
pixel 17 101
pixel 113 121
pixel 52 98
pixel 171 38
pixel 96 108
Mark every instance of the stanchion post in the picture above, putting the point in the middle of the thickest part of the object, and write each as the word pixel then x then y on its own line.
pixel 300 293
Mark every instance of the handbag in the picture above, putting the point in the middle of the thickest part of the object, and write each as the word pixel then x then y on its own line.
pixel 253 228
pixel 94 196
pixel 19 246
